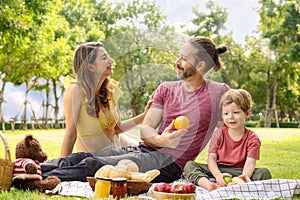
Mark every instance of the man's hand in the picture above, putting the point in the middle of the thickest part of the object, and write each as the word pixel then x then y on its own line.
pixel 172 139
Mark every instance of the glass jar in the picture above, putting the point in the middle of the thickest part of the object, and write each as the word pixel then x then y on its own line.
pixel 102 188
pixel 119 187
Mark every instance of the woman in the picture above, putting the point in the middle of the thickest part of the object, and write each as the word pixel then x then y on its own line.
pixel 91 104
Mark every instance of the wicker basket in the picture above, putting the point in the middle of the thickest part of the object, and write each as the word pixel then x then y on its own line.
pixel 6 167
pixel 134 187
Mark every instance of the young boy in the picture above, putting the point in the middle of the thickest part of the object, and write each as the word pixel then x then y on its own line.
pixel 233 149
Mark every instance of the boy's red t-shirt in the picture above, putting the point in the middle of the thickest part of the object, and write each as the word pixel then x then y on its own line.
pixel 234 153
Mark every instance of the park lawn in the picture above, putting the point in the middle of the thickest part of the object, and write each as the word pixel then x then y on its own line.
pixel 280 152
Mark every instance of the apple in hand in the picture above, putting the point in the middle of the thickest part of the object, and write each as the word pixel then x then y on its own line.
pixel 163 187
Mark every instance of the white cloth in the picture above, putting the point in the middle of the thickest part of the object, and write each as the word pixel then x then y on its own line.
pixel 73 188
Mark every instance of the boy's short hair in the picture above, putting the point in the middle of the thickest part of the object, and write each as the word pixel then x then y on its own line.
pixel 240 97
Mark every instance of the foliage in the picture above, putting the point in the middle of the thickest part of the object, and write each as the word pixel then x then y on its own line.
pixel 209 24
pixel 42 36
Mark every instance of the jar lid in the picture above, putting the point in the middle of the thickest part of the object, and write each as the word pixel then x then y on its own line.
pixel 103 178
pixel 119 179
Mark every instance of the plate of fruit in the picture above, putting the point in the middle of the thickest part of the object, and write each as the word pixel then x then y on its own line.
pixel 176 190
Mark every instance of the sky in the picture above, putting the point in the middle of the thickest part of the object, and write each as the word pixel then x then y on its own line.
pixel 242 17
pixel 242 20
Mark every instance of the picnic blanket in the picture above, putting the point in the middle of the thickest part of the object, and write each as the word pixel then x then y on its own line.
pixel 266 189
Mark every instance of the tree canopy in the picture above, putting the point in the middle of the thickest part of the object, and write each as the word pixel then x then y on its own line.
pixel 38 38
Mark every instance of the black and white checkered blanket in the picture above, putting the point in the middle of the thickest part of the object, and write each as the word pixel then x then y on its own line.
pixel 266 189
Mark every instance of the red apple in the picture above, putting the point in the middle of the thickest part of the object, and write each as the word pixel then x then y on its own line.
pixel 178 188
pixel 190 187
pixel 183 188
pixel 162 187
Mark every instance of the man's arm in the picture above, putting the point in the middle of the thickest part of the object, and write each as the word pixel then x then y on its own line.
pixel 150 136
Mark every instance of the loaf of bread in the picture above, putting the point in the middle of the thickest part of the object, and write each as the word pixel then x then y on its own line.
pixel 147 176
pixel 126 169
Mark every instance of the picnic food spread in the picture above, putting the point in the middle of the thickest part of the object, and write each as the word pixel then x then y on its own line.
pixel 136 182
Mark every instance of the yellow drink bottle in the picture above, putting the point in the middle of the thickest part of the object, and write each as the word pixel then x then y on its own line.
pixel 102 188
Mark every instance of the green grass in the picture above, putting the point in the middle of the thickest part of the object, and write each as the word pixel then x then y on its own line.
pixel 280 152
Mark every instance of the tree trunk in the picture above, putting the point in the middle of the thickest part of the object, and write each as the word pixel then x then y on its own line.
pixel 47 104
pixel 24 114
pixel 274 100
pixel 1 114
pixel 56 106
pixel 1 102
pixel 268 113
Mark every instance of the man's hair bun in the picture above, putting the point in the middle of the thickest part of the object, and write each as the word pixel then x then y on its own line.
pixel 222 48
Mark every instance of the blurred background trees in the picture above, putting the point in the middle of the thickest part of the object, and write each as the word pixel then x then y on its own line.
pixel 38 38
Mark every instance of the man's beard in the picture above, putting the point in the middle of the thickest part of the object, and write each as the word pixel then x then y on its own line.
pixel 191 71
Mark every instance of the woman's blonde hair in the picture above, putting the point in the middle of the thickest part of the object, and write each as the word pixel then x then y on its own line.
pixel 84 55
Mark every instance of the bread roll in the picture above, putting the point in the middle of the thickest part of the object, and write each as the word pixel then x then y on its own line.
pixel 238 180
pixel 131 166
pixel 104 171
pixel 119 173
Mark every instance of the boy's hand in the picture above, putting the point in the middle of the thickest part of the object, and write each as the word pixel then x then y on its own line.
pixel 245 178
pixel 220 179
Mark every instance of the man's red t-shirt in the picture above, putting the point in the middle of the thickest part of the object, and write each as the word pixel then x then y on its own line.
pixel 200 106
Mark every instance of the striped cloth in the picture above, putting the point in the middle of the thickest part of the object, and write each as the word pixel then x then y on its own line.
pixel 20 172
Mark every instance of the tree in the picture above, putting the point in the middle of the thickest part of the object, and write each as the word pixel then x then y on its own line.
pixel 209 24
pixel 16 19
pixel 278 24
